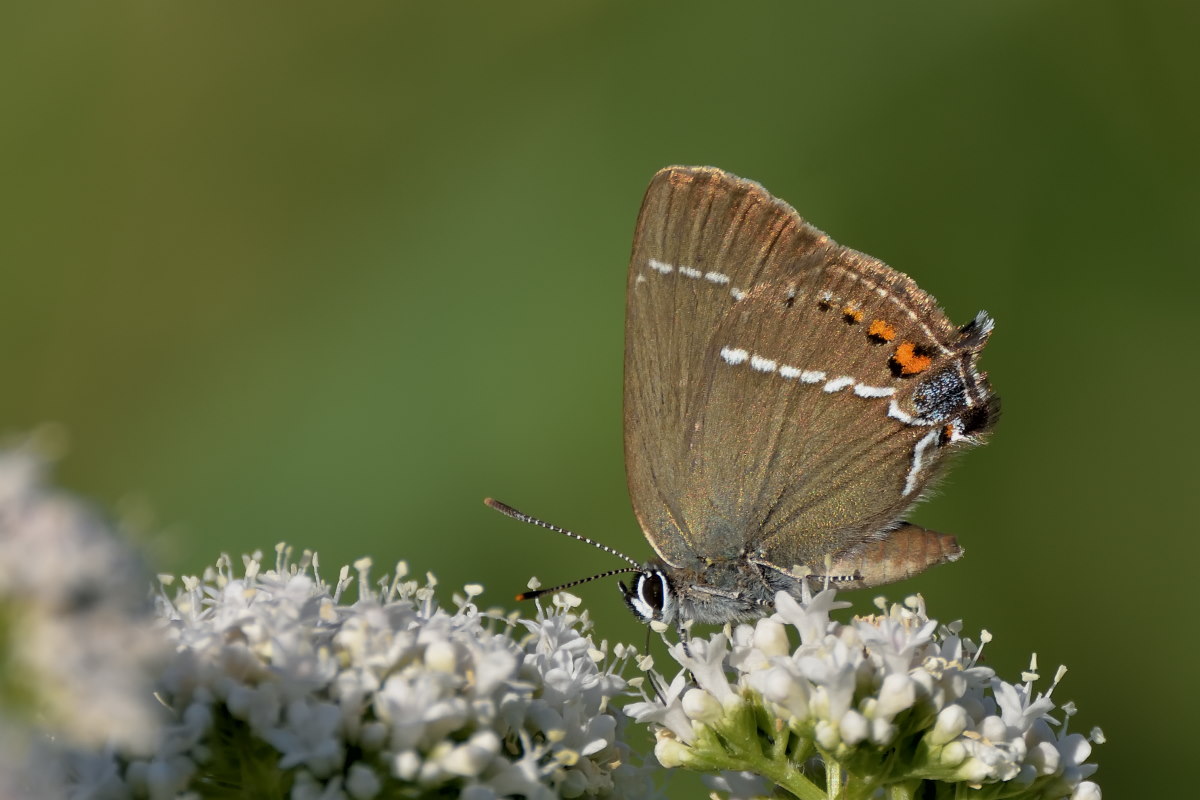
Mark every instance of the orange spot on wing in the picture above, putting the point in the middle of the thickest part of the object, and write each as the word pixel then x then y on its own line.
pixel 911 361
pixel 852 314
pixel 881 331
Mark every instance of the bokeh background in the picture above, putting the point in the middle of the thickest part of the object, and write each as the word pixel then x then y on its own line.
pixel 332 273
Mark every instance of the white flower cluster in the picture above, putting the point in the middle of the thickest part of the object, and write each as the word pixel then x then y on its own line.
pixel 280 688
pixel 77 644
pixel 270 684
pixel 881 700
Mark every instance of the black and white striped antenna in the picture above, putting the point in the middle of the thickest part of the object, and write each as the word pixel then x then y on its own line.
pixel 509 511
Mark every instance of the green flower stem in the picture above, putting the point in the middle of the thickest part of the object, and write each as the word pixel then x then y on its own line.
pixel 780 739
pixel 243 765
pixel 833 778
pixel 735 743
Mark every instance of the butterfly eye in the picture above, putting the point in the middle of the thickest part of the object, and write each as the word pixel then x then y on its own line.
pixel 650 597
pixel 652 589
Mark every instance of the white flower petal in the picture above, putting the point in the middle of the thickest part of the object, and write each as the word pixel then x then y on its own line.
pixel 702 706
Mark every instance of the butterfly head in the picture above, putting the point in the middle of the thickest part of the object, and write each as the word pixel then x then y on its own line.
pixel 651 597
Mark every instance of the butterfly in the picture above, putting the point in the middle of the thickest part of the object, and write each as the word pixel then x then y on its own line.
pixel 787 401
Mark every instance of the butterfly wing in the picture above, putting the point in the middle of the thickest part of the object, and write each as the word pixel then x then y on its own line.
pixel 786 398
pixel 703 240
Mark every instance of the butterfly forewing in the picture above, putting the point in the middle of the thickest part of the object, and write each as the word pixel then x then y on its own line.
pixel 786 398
pixel 703 240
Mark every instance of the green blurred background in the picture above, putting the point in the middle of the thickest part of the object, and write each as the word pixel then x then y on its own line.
pixel 332 273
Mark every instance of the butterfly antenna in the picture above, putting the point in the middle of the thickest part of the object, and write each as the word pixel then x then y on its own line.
pixel 539 592
pixel 509 511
